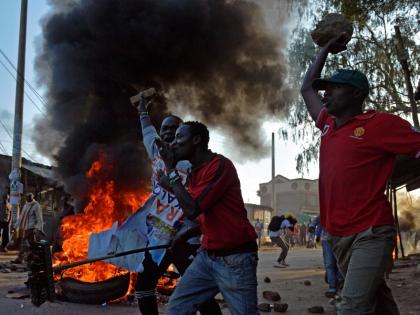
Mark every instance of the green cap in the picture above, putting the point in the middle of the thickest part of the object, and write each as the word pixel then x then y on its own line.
pixel 344 76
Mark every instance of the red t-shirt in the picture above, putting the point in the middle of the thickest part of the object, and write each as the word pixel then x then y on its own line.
pixel 223 220
pixel 356 160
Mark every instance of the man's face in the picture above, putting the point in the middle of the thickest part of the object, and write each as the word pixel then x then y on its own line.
pixel 183 145
pixel 338 98
pixel 29 197
pixel 168 128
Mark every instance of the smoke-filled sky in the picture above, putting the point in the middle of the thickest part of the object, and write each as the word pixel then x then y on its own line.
pixel 212 59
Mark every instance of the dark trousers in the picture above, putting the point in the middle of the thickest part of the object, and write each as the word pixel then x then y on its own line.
pixel 148 279
pixel 284 248
pixel 4 227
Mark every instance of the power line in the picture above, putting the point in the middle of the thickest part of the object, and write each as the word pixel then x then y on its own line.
pixel 27 95
pixel 11 137
pixel 7 130
pixel 10 141
pixel 3 148
pixel 20 75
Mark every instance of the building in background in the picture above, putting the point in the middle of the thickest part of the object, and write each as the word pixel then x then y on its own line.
pixel 263 213
pixel 38 179
pixel 298 196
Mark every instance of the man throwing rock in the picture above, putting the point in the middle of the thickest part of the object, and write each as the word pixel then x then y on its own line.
pixel 357 155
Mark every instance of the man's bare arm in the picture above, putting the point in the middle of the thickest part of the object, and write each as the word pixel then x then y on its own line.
pixel 144 117
pixel 310 95
pixel 187 203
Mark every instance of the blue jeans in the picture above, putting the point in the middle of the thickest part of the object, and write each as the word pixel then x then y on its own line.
pixel 235 276
pixel 330 264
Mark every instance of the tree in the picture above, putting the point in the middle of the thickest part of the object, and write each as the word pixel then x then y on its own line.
pixel 371 50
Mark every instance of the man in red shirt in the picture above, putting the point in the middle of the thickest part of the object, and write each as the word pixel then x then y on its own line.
pixel 228 258
pixel 357 155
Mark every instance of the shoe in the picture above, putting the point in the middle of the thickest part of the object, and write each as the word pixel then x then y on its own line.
pixel 278 265
pixel 283 263
pixel 330 294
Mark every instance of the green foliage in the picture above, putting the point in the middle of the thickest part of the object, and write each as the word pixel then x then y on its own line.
pixel 371 50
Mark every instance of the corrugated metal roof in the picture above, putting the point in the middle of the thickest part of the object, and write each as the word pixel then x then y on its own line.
pixel 41 171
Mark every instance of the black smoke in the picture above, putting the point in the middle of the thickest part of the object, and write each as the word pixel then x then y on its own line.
pixel 213 59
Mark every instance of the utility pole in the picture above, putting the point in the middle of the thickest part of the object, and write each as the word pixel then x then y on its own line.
pixel 16 187
pixel 273 173
pixel 403 59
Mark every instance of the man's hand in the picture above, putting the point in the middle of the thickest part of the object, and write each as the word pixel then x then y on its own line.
pixel 142 107
pixel 164 181
pixel 166 153
pixel 178 241
pixel 310 96
pixel 337 44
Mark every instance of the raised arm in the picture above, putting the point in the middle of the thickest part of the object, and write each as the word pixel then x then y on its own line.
pixel 143 113
pixel 310 95
pixel 148 130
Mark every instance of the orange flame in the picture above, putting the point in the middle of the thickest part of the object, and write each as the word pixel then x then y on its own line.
pixel 105 206
pixel 166 285
pixel 395 251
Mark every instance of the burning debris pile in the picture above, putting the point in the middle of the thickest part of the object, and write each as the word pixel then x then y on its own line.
pixel 113 205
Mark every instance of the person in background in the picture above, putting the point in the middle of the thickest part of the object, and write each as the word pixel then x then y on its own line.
pixel 258 226
pixel 311 243
pixel 289 230
pixel 302 234
pixel 276 232
pixel 333 275
pixel 30 225
pixel 5 216
pixel 295 235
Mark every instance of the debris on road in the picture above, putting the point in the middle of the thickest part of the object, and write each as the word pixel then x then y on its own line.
pixel 264 307
pixel 316 309
pixel 280 307
pixel 271 296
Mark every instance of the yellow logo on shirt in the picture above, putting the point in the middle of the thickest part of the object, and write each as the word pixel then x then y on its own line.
pixel 359 131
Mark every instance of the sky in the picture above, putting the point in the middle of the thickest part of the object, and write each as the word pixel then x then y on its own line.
pixel 250 173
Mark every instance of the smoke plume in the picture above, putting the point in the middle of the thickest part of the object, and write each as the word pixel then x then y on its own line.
pixel 212 59
pixel 408 212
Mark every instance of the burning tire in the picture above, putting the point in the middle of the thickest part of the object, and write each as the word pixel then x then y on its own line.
pixel 72 290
